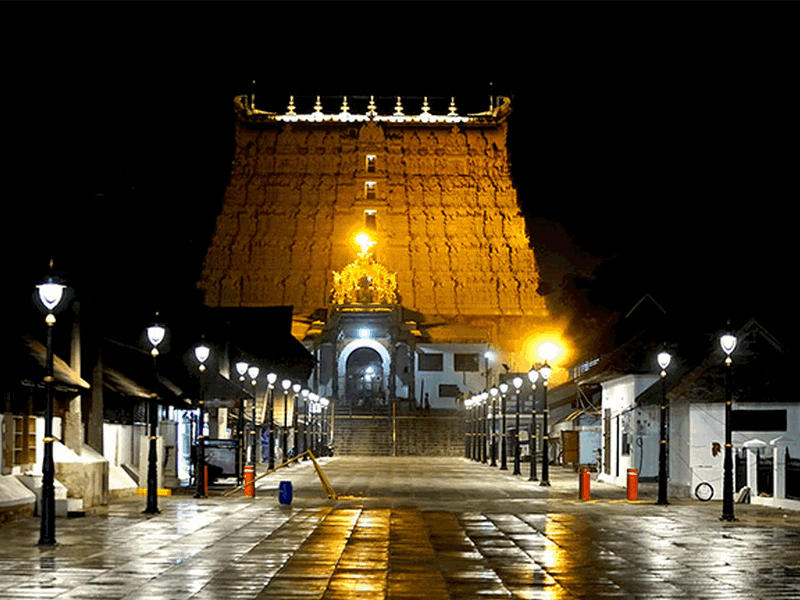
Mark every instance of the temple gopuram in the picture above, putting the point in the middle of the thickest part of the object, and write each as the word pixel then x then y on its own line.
pixel 394 232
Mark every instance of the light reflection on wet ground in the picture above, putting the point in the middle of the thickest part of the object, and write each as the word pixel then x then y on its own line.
pixel 432 529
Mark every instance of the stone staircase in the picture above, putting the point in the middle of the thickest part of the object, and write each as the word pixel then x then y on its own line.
pixel 433 435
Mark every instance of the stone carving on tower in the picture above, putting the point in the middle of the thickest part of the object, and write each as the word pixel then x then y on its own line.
pixel 435 188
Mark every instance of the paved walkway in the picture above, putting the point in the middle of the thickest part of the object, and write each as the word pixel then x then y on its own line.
pixel 409 528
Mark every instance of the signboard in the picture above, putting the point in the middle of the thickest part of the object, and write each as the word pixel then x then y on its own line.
pixel 222 403
pixel 220 458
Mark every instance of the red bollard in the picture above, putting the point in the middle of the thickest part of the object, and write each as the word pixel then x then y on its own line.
pixel 633 484
pixel 583 486
pixel 249 486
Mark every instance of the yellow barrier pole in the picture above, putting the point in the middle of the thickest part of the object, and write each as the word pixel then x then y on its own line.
pixel 324 480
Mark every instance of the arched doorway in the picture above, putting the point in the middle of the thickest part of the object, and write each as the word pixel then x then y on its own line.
pixel 364 379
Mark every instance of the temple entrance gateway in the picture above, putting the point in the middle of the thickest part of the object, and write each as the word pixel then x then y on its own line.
pixel 364 379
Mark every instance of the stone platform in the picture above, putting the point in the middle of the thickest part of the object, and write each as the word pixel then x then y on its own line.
pixel 430 528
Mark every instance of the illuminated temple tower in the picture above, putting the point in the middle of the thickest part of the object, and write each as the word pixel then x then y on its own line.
pixel 447 274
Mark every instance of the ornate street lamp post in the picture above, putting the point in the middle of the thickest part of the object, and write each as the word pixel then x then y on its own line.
pixel 664 359
pixel 285 384
pixel 51 298
pixel 485 450
pixel 304 394
pixel 271 379
pixel 201 353
pixel 156 332
pixel 296 388
pixel 253 371
pixel 728 343
pixel 545 371
pixel 494 391
pixel 517 385
pixel 503 440
pixel 533 377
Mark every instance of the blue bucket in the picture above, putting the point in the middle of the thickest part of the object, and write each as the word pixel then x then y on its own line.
pixel 285 492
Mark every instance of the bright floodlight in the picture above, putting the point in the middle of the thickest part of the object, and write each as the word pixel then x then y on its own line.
pixel 202 352
pixel 548 351
pixel 155 334
pixel 728 343
pixel 50 293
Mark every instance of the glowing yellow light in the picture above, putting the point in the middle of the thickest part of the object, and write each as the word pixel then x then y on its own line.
pixel 547 346
pixel 365 242
pixel 548 350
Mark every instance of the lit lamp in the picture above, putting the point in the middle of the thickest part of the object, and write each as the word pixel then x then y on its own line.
pixel 517 381
pixel 296 388
pixel 484 415
pixel 304 394
pixel 664 359
pixel 728 343
pixel 156 332
pixel 503 448
pixel 201 352
pixel 285 384
pixel 533 377
pixel 271 379
pixel 494 391
pixel 241 369
pixel 253 371
pixel 545 372
pixel 51 297
pixel 324 403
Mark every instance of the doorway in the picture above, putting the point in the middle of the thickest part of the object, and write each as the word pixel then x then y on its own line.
pixel 364 380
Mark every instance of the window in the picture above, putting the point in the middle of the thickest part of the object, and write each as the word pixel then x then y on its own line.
pixel 370 220
pixel 758 420
pixel 430 362
pixel 447 390
pixel 370 190
pixel 371 163
pixel 466 362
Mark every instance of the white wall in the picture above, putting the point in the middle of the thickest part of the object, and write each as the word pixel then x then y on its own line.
pixel 619 397
pixel 472 381
pixel 707 427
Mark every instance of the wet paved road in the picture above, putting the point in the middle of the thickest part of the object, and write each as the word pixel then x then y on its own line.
pixel 411 529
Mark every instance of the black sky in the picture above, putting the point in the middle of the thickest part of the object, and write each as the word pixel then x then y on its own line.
pixel 641 167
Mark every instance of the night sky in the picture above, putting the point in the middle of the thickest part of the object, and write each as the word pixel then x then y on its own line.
pixel 647 169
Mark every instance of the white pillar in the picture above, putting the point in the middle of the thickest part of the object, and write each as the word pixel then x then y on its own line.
pixel 779 466
pixel 753 447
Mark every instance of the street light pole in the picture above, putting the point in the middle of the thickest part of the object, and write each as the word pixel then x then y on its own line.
pixel 545 372
pixel 253 371
pixel 155 335
pixel 51 296
pixel 201 352
pixel 533 377
pixel 494 392
pixel 503 441
pixel 664 359
pixel 728 343
pixel 285 384
pixel 517 385
pixel 271 379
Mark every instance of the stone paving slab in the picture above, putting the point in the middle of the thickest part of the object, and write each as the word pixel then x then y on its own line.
pixel 409 528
